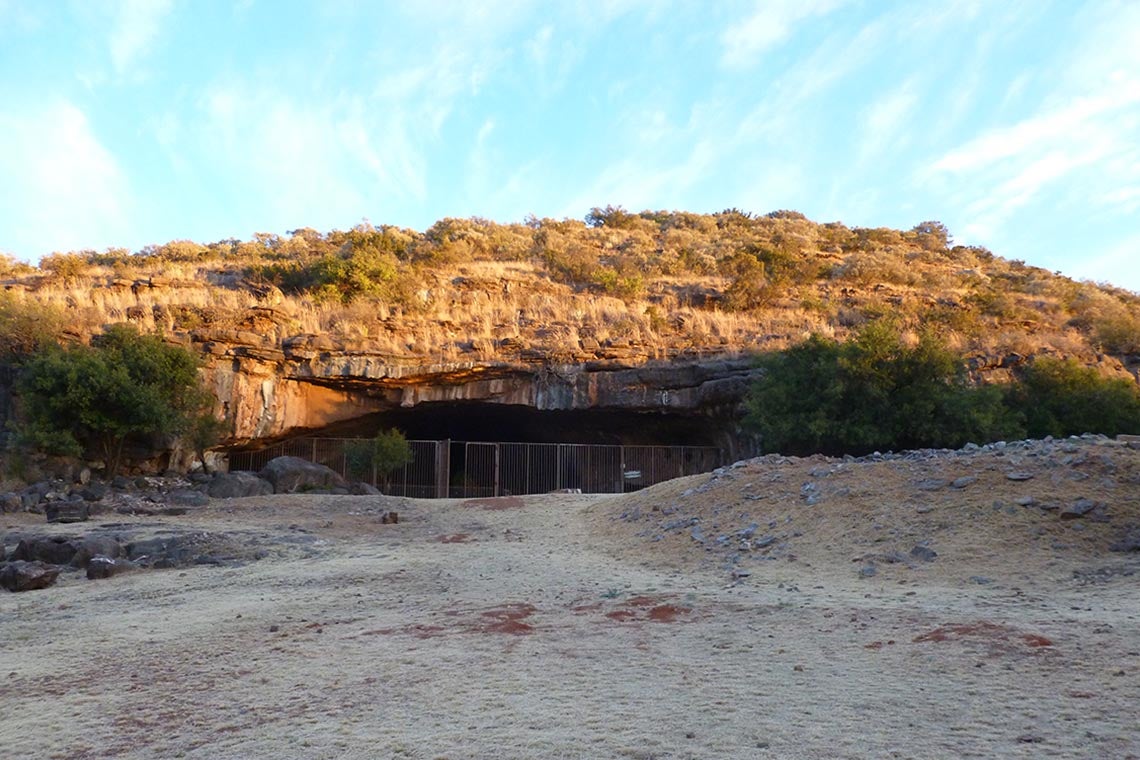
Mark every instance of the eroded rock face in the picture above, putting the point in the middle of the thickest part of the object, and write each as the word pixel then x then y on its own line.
pixel 312 385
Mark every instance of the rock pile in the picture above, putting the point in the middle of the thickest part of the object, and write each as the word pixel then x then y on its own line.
pixel 902 506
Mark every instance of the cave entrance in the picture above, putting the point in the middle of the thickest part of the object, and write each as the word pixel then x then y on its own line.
pixel 475 421
pixel 467 449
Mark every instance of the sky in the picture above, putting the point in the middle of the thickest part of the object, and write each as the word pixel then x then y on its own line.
pixel 1015 122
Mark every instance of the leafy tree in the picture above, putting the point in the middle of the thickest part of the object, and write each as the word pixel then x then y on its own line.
pixel 874 392
pixel 92 398
pixel 379 456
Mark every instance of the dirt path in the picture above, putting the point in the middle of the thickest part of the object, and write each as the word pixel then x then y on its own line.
pixel 518 628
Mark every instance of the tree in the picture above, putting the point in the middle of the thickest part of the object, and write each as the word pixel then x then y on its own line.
pixel 92 398
pixel 874 392
pixel 379 456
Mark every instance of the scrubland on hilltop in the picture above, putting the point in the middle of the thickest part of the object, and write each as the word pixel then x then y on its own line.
pixel 638 286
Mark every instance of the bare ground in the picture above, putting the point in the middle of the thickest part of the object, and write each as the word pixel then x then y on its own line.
pixel 564 626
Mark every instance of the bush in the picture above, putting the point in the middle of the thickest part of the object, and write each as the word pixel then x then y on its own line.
pixel 1063 397
pixel 873 392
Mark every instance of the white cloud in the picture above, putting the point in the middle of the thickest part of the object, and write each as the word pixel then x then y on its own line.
pixel 771 22
pixel 72 192
pixel 136 27
pixel 1064 123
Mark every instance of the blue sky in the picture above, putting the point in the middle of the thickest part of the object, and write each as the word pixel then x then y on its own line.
pixel 1014 122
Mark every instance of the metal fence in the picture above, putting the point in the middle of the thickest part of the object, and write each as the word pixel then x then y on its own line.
pixel 466 469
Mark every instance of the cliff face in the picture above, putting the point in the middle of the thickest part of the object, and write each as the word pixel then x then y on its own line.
pixel 310 384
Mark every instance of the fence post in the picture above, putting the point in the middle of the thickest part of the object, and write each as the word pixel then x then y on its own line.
pixel 496 491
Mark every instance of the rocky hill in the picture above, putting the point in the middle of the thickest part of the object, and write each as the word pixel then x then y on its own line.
pixel 651 311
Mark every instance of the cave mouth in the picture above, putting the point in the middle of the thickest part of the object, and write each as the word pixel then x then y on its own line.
pixel 478 421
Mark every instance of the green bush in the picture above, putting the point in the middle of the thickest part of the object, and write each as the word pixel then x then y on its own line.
pixel 1063 397
pixel 872 393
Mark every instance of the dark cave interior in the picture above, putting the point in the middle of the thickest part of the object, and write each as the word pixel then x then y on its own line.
pixel 479 421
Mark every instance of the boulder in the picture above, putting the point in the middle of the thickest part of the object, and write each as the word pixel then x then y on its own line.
pixel 11 502
pixel 67 511
pixel 236 485
pixel 54 550
pixel 27 576
pixel 363 489
pixel 96 546
pixel 293 474
pixel 94 491
pixel 105 567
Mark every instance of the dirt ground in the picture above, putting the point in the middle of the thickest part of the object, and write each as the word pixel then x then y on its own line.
pixel 660 624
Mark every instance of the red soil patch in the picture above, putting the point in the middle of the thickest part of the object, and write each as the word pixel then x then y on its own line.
pixel 496 503
pixel 454 538
pixel 667 613
pixel 1000 637
pixel 647 608
pixel 507 619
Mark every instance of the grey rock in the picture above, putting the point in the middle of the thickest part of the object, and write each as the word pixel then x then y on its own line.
pixel 963 481
pixel 67 511
pixel 981 580
pixel 237 485
pixel 96 546
pixel 94 491
pixel 932 484
pixel 684 522
pixel 697 534
pixel 868 571
pixel 1129 543
pixel 361 488
pixel 53 550
pixel 1019 476
pixel 1025 501
pixel 1078 508
pixel 11 502
pixel 293 474
pixel 924 553
pixel 101 567
pixel 27 576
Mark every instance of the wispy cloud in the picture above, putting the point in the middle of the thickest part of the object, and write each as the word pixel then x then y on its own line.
pixel 770 23
pixel 136 26
pixel 885 121
pixel 73 193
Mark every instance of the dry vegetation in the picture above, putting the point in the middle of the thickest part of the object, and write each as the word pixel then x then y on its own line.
pixel 619 285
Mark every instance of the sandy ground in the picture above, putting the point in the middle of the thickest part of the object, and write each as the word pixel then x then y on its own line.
pixel 558 626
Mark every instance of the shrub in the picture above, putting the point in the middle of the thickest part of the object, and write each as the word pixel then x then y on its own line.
pixel 874 392
pixel 1063 397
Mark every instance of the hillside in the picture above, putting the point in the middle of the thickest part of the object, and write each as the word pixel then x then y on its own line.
pixel 618 286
